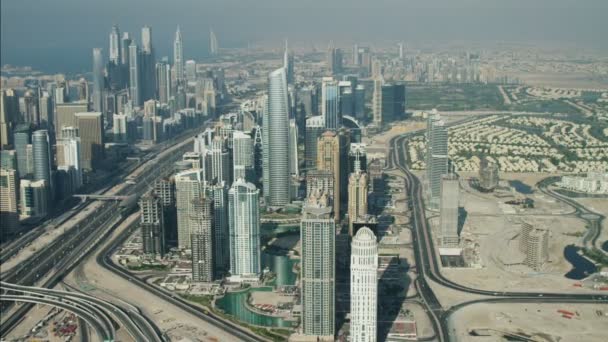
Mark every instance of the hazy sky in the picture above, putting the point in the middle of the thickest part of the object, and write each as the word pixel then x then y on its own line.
pixel 57 35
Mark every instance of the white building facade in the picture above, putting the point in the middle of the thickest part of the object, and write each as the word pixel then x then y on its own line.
pixel 364 287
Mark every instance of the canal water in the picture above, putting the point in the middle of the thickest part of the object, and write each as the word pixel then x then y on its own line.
pixel 605 246
pixel 234 303
pixel 521 187
pixel 582 267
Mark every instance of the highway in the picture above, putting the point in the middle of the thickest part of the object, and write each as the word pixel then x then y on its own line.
pixel 104 259
pixel 91 320
pixel 428 264
pixel 62 254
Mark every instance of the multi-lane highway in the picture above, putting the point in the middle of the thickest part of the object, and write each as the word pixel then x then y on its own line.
pixel 57 258
pixel 428 264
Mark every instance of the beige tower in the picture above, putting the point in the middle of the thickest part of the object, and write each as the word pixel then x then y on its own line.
pixel 328 158
pixel 357 198
pixel 90 128
pixel 9 215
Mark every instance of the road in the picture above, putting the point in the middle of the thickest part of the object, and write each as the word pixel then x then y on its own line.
pixel 104 259
pixel 427 260
pixel 62 254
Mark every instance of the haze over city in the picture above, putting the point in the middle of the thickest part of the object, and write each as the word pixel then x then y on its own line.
pixel 304 170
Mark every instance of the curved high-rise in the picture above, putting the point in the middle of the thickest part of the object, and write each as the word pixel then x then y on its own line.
pixel 278 139
pixel 364 286
pixel 244 227
pixel 42 156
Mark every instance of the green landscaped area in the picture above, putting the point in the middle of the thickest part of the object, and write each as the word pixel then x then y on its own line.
pixel 454 97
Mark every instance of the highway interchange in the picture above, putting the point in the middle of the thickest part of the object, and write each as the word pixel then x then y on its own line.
pixel 428 265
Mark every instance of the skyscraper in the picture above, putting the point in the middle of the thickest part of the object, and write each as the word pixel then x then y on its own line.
pixel 317 235
pixel 115 49
pixel 201 238
pixel 42 157
pixel 34 198
pixel 134 76
pixel 330 103
pixel 21 139
pixel 357 198
pixel 244 223
pixel 98 82
pixel 178 57
pixel 315 126
pixel 449 210
pixel 277 127
pixel 328 158
pixel 147 67
pixel 357 158
pixel 393 102
pixel 66 114
pixel 288 64
pixel 90 128
pixel 218 165
pixel 9 213
pixel 364 287
pixel 214 48
pixel 242 156
pixel 189 185
pixel 68 158
pixel 124 49
pixel 163 82
pixel 221 251
pixel 377 102
pixel 334 59
pixel 152 225
pixel 294 167
pixel 436 157
pixel 488 174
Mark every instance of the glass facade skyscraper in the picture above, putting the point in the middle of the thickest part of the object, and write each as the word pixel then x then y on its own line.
pixel 277 127
pixel 244 225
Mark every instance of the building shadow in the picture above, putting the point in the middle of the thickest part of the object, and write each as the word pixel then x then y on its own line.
pixel 393 285
pixel 462 218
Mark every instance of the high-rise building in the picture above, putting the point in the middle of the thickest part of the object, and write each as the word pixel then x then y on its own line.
pixel 218 162
pixel 393 102
pixel 242 156
pixel 134 75
pixel 90 128
pixel 357 157
pixel 277 128
pixel 357 198
pixel 178 57
pixel 377 102
pixel 189 186
pixel 221 257
pixel 190 70
pixel 436 157
pixel 42 157
pixel 6 119
pixel 320 180
pixel 334 59
pixel 45 106
pixel 214 47
pixel 359 99
pixel 201 238
pixel 330 103
pixel 294 167
pixel 244 223
pixel 152 225
pixel 34 198
pixel 364 287
pixel 124 49
pixel 68 157
pixel 66 114
pixel 147 66
pixel 356 56
pixel 315 126
pixel 309 100
pixel 22 138
pixel 98 82
pixel 163 82
pixel 488 175
pixel 8 160
pixel 449 210
pixel 317 268
pixel 119 128
pixel 115 49
pixel 328 158
pixel 534 243
pixel 9 213
pixel 288 65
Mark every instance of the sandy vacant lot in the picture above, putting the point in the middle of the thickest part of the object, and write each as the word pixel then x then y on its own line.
pixel 542 321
